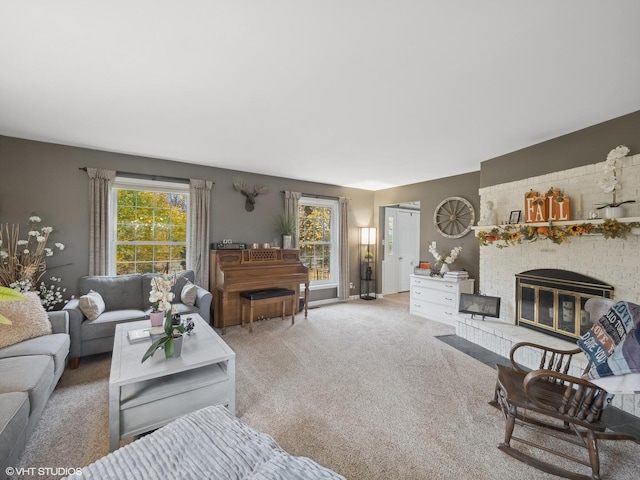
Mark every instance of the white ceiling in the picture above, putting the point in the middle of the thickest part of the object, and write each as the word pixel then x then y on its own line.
pixel 362 93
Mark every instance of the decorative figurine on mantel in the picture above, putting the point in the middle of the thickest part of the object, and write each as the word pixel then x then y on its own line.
pixel 489 215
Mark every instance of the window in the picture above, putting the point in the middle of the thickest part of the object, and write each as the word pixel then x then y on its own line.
pixel 150 234
pixel 318 240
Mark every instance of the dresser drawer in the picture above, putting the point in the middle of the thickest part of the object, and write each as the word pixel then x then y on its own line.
pixel 447 315
pixel 435 284
pixel 419 307
pixel 437 299
pixel 434 296
pixel 434 311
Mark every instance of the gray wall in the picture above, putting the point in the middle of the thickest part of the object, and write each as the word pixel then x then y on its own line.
pixel 46 179
pixel 584 147
pixel 430 194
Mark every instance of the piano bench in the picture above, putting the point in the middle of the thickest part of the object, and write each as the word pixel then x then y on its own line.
pixel 269 296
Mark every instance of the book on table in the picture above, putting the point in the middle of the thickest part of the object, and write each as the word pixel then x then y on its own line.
pixel 139 335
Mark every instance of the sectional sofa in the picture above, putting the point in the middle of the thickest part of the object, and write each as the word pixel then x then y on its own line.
pixel 29 371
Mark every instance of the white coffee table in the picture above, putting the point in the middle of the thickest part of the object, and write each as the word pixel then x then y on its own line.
pixel 146 396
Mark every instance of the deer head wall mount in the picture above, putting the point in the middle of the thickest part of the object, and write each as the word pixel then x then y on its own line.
pixel 250 202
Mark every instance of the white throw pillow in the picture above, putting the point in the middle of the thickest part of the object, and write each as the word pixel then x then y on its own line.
pixel 92 305
pixel 188 294
pixel 28 320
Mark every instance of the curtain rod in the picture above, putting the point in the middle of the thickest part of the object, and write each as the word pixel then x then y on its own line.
pixel 313 195
pixel 148 176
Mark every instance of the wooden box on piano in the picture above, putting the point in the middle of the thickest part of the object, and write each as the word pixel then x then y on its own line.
pixel 235 271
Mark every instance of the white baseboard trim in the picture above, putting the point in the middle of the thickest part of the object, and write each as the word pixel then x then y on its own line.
pixel 327 301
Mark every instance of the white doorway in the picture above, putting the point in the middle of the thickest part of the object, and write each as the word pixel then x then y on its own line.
pixel 401 243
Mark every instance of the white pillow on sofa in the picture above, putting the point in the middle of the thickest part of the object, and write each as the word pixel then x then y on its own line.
pixel 29 320
pixel 91 304
pixel 188 294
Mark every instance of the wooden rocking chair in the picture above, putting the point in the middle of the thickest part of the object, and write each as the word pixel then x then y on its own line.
pixel 555 403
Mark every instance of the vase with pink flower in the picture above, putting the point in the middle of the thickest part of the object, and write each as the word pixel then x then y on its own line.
pixel 160 298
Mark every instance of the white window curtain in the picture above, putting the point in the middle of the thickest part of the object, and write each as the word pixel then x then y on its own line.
pixel 99 187
pixel 199 207
pixel 291 201
pixel 343 285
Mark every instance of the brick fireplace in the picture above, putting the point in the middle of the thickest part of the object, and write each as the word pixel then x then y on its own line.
pixel 613 262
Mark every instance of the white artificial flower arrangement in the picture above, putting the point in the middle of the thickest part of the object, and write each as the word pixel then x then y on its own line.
pixel 448 259
pixel 51 295
pixel 609 183
pixel 161 293
pixel 22 261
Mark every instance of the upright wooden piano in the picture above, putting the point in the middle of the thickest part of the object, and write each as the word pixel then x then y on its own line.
pixel 234 271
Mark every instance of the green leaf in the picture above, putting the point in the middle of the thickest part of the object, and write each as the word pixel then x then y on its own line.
pixel 9 294
pixel 168 347
pixel 286 224
pixel 154 346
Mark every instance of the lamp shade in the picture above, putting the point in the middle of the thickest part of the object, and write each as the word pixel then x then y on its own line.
pixel 368 236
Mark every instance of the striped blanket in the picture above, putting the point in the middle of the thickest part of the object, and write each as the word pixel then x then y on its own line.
pixel 613 342
pixel 208 444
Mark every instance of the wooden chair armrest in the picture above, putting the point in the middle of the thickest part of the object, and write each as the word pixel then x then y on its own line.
pixel 546 352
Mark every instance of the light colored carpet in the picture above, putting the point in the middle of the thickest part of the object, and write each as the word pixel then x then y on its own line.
pixel 361 387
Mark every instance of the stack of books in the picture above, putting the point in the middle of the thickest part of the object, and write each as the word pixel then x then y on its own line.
pixel 456 275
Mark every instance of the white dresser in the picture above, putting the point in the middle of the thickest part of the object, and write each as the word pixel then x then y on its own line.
pixel 437 299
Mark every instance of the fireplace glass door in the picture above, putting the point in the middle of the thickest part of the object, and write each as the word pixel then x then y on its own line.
pixel 553 310
pixel 553 302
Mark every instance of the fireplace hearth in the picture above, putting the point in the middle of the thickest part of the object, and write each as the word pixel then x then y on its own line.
pixel 552 301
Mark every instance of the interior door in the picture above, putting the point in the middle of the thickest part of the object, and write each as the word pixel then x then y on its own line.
pixel 401 248
pixel 408 240
pixel 390 259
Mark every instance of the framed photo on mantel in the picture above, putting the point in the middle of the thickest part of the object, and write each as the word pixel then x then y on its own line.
pixel 515 216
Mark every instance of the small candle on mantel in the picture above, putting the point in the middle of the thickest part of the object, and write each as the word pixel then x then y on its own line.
pixel 579 205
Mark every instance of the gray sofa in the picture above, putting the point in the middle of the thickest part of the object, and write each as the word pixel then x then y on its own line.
pixel 126 299
pixel 29 371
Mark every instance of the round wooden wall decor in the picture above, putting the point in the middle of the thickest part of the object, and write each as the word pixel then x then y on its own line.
pixel 454 217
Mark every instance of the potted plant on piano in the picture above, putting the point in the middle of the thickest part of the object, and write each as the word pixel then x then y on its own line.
pixel 286 226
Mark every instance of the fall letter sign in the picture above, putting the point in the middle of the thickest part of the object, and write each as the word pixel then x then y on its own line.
pixel 535 208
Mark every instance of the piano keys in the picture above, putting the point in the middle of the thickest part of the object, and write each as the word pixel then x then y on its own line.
pixel 235 271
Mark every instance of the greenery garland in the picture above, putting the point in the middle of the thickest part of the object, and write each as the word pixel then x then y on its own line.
pixel 506 235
